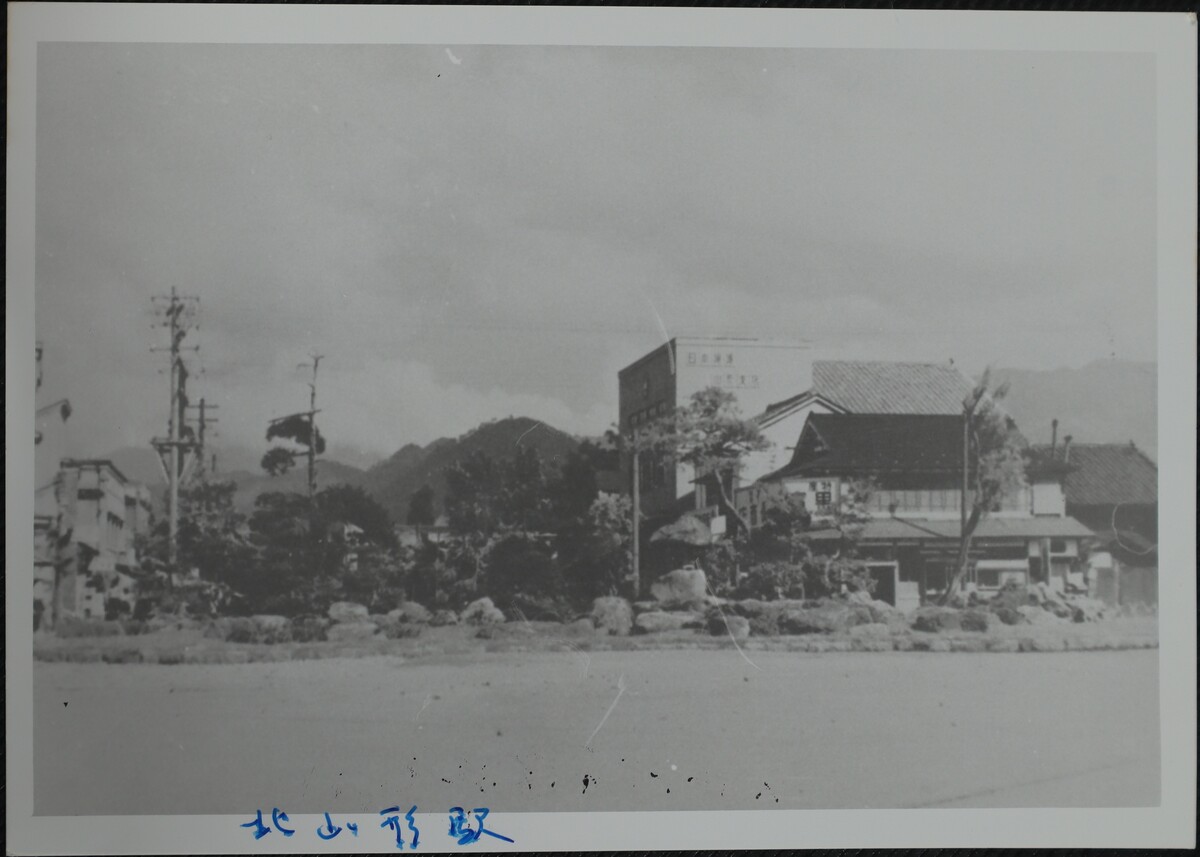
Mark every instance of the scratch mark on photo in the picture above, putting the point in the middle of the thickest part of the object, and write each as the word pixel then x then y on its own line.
pixel 620 691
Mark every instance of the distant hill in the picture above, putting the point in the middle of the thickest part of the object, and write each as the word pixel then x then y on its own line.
pixel 392 482
pixel 1108 401
pixel 251 483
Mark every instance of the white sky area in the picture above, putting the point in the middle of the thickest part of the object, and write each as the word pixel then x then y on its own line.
pixel 491 237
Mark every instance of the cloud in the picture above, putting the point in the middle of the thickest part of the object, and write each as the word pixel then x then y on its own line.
pixel 491 236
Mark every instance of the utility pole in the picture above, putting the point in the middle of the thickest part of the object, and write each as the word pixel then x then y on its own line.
pixel 177 312
pixel 637 519
pixel 312 428
pixel 202 422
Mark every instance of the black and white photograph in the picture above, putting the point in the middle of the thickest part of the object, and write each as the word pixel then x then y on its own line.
pixel 426 435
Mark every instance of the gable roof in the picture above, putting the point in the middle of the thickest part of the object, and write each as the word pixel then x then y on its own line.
pixel 875 444
pixel 875 387
pixel 779 410
pixel 1105 474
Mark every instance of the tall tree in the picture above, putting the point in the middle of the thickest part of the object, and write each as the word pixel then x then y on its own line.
pixel 709 434
pixel 420 507
pixel 993 466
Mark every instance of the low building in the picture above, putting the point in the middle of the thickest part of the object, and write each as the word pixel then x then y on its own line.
pixel 911 522
pixel 416 535
pixel 1113 489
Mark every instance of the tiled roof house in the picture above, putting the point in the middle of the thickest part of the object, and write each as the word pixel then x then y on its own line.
pixel 1113 488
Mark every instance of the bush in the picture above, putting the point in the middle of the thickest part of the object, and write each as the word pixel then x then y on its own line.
pixel 771 580
pixel 133 627
pixel 115 609
pixel 71 627
pixel 401 631
pixel 540 608
pixel 520 567
pixel 309 628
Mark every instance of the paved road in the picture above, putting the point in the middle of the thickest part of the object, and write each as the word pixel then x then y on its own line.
pixel 690 730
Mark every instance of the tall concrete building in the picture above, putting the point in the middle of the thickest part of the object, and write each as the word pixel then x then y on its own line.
pixel 757 371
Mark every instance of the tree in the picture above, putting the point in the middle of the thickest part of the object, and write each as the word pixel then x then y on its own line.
pixel 709 434
pixel 303 551
pixel 994 466
pixel 420 507
pixel 213 539
pixel 594 548
pixel 791 561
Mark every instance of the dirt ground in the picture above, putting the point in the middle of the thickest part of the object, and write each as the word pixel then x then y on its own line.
pixel 685 729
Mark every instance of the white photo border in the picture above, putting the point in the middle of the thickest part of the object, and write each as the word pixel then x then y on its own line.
pixel 1171 38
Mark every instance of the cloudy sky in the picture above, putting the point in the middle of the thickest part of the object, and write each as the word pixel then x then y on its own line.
pixel 476 232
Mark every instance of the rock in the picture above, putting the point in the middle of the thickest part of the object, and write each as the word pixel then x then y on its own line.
pixel 613 616
pixel 341 632
pixel 584 627
pixel 1004 644
pixel 410 612
pixel 974 620
pixel 749 607
pixel 937 619
pixel 825 618
pixel 481 612
pixel 645 606
pixel 968 644
pixel 871 630
pixel 272 629
pixel 682 588
pixel 939 646
pixel 868 644
pixel 1049 644
pixel 1038 615
pixel 728 625
pixel 1088 610
pixel 348 611
pixel 1058 608
pixel 444 617
pixel 1008 615
pixel 881 611
pixel 267 622
pixel 121 656
pixel 657 621
pixel 309 629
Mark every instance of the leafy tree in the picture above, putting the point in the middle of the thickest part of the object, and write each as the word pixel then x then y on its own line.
pixel 995 462
pixel 709 434
pixel 303 553
pixel 522 573
pixel 420 507
pixel 575 487
pixel 594 549
pixel 349 504
pixel 278 460
pixel 791 563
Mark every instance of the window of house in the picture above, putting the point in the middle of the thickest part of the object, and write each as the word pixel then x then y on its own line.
pixel 1058 546
pixel 824 499
pixel 691 358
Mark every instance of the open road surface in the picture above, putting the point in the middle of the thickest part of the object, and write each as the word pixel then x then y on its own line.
pixel 689 730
